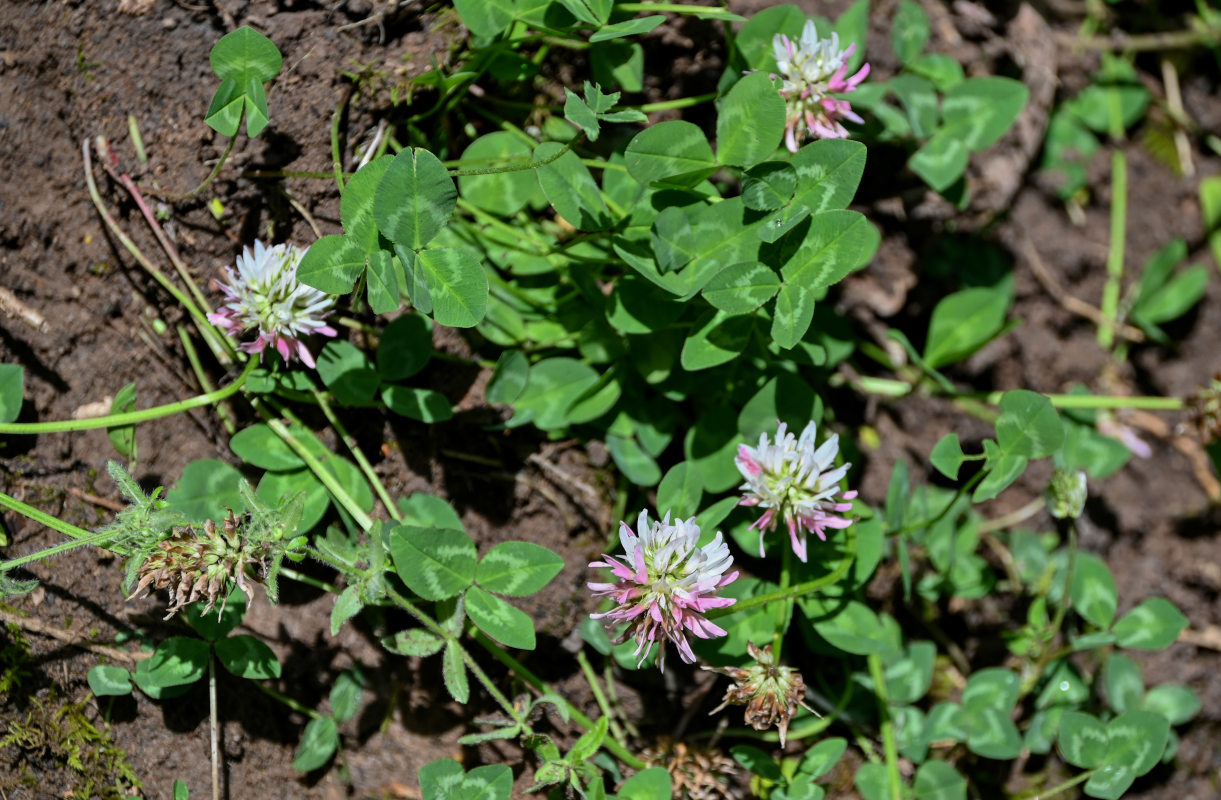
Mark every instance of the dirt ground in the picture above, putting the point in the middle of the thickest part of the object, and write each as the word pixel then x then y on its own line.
pixel 74 70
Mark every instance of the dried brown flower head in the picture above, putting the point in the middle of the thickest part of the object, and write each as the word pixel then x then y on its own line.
pixel 196 565
pixel 1204 409
pixel 770 693
pixel 696 773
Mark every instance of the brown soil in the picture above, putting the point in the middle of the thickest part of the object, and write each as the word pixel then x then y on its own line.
pixel 70 71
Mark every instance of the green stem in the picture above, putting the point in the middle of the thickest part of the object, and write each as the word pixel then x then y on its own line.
pixel 793 592
pixel 785 607
pixel 13 504
pixel 336 159
pixel 355 450
pixel 62 547
pixel 222 410
pixel 962 490
pixel 309 580
pixel 288 701
pixel 225 355
pixel 1041 794
pixel 595 686
pixel 889 746
pixel 611 744
pixel 522 167
pixel 206 181
pixel 1115 258
pixel 682 102
pixel 131 417
pixel 321 473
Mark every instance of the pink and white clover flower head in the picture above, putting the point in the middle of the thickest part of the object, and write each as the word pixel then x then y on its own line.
pixel 792 479
pixel 812 70
pixel 264 294
pixel 665 583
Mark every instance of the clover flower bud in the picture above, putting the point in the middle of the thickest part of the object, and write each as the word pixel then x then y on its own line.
pixel 792 479
pixel 264 294
pixel 697 771
pixel 1066 493
pixel 665 584
pixel 770 693
pixel 1205 410
pixel 812 70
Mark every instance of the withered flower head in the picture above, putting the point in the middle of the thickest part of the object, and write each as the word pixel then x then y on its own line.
pixel 770 693
pixel 696 773
pixel 201 566
pixel 1205 410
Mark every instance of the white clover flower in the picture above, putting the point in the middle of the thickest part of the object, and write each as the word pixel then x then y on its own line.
pixel 666 583
pixel 812 70
pixel 265 294
pixel 790 478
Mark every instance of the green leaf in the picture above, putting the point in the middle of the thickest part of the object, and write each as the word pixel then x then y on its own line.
pixel 965 321
pixel 571 189
pixel 414 642
pixel 332 264
pixel 937 780
pixel 1173 701
pixel 498 619
pixel 123 437
pixel 429 511
pixel 180 790
pixel 405 347
pixel 991 734
pixel 718 337
pixel 1094 594
pixel 630 27
pixel 993 687
pixel 822 757
pixel 218 623
pixel 1137 739
pixel 274 486
pixel 1122 681
pixel 978 111
pixel 1028 425
pixel 259 446
pixel 347 605
pixel 413 402
pixel 554 385
pixel 109 681
pixel 177 661
pixel 909 32
pixel 517 569
pixel 247 657
pixel 435 564
pixel 347 372
pixel 768 186
pixel 486 18
pixel 873 782
pixel 680 491
pixel 631 459
pixel 848 625
pixel 940 161
pixel 414 199
pixel 739 288
pixel 440 779
pixel 501 193
pixel 205 489
pixel 453 671
pixel 1082 739
pixel 489 782
pixel 382 282
pixel 1210 210
pixel 674 151
pixel 793 313
pixel 345 695
pixel 1174 298
pixel 457 285
pixel 318 743
pixel 509 378
pixel 12 389
pixel 649 784
pixel 244 60
pixel 1003 469
pixel 757 762
pixel 589 743
pixel 947 456
pixel 750 121
pixel 836 243
pixel 1152 625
